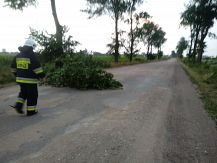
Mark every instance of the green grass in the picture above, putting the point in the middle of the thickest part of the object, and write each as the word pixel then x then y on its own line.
pixel 106 58
pixel 5 73
pixel 204 75
pixel 123 60
pixel 110 60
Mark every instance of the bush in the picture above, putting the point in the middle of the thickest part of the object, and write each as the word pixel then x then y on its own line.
pixel 104 61
pixel 76 70
pixel 90 61
pixel 160 54
pixel 151 56
pixel 139 59
pixel 5 73
pixel 213 78
pixel 50 48
pixel 82 72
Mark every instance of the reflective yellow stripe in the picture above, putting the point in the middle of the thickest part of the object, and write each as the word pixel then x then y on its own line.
pixel 26 80
pixel 19 101
pixel 38 70
pixel 31 109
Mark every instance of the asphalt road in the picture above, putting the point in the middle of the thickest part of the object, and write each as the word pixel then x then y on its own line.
pixel 157 117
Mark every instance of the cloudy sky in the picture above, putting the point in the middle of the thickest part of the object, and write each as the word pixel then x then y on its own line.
pixel 93 34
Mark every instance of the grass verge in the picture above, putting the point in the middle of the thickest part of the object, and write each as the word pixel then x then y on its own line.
pixel 200 75
pixel 5 73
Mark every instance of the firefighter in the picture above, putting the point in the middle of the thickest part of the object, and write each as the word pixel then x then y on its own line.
pixel 28 71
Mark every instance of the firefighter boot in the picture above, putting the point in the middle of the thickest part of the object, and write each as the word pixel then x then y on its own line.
pixel 30 113
pixel 18 107
pixel 31 110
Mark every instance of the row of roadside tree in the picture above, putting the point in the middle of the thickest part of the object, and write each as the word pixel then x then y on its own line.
pixel 199 17
pixel 141 29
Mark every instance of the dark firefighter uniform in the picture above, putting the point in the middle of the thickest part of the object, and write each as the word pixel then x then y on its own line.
pixel 28 71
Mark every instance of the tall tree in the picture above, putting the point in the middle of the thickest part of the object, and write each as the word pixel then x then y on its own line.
pixel 152 36
pixel 21 4
pixel 187 19
pixel 146 33
pixel 133 35
pixel 173 54
pixel 59 28
pixel 207 13
pixel 131 8
pixel 115 8
pixel 181 46
pixel 159 38
pixel 200 16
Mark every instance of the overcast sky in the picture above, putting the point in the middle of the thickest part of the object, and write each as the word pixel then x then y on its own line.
pixel 93 34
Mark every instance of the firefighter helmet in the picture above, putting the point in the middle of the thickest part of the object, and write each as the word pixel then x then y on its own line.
pixel 31 43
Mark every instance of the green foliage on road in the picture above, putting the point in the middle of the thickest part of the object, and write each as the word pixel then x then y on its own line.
pixel 205 76
pixel 5 73
pixel 82 72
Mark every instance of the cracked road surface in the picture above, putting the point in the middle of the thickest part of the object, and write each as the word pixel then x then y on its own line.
pixel 157 117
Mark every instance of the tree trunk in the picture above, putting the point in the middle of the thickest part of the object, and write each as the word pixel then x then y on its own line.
pixel 201 43
pixel 59 28
pixel 148 49
pixel 132 36
pixel 116 40
pixel 131 30
pixel 195 43
pixel 151 48
pixel 200 51
pixel 191 44
pixel 158 52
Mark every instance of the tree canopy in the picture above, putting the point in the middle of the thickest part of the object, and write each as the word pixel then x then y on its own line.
pixel 19 4
pixel 181 46
pixel 152 36
pixel 132 35
pixel 199 16
pixel 115 8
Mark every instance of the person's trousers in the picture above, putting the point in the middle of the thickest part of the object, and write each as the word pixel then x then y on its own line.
pixel 28 92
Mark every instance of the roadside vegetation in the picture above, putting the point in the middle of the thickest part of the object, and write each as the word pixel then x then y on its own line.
pixel 79 70
pixel 83 71
pixel 199 17
pixel 5 73
pixel 66 67
pixel 205 76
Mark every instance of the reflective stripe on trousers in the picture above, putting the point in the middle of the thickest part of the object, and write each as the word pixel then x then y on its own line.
pixel 32 108
pixel 26 80
pixel 20 100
